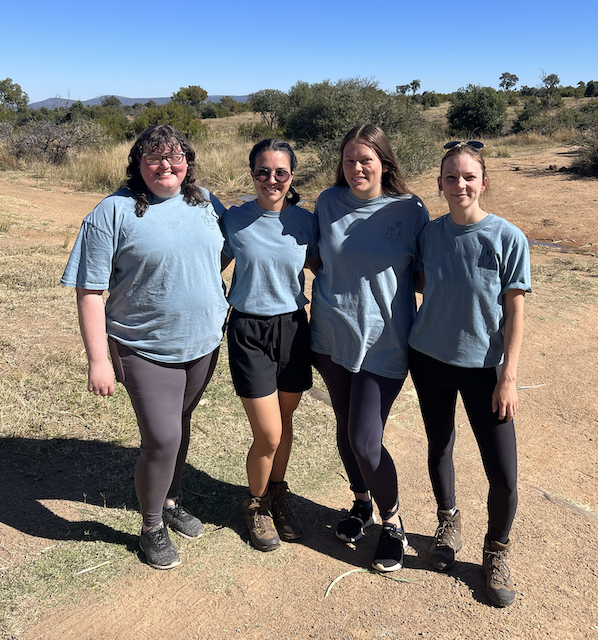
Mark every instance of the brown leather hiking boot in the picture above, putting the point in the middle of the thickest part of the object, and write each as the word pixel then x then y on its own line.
pixel 447 540
pixel 258 516
pixel 499 587
pixel 286 522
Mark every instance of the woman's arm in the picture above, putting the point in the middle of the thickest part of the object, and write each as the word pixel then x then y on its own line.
pixel 504 398
pixel 92 321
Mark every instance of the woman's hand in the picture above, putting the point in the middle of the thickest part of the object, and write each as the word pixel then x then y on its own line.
pixel 100 378
pixel 504 398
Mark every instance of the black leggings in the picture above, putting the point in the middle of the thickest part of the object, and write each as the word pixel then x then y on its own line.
pixel 437 384
pixel 361 403
pixel 163 397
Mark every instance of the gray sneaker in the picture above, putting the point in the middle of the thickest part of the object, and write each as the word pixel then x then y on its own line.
pixel 499 587
pixel 447 540
pixel 181 521
pixel 158 549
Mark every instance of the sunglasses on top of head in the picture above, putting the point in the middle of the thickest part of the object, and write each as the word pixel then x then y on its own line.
pixel 280 175
pixel 474 144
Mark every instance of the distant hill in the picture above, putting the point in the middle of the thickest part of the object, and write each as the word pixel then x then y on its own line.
pixel 52 103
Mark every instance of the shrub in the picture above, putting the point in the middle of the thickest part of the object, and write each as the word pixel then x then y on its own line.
pixel 587 163
pixel 181 116
pixel 477 111
pixel 256 131
pixel 52 142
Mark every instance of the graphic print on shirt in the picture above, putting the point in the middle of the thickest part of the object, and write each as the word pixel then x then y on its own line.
pixel 394 233
pixel 488 259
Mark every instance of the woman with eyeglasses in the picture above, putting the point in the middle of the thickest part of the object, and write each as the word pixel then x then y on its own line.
pixel 155 245
pixel 270 239
pixel 466 338
pixel 363 305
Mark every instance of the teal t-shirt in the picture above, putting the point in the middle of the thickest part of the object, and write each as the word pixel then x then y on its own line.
pixel 162 270
pixel 270 249
pixel 468 270
pixel 363 301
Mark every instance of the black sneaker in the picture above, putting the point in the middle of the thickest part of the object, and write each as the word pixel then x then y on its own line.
pixel 181 521
pixel 391 548
pixel 159 550
pixel 351 527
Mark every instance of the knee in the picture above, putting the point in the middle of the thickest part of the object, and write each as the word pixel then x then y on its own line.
pixel 266 443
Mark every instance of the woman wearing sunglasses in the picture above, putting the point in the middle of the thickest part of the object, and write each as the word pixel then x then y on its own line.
pixel 155 245
pixel 270 239
pixel 467 337
pixel 362 309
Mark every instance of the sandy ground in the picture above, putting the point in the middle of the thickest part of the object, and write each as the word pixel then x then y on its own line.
pixel 554 561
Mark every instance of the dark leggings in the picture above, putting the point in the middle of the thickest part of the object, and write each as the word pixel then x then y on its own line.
pixel 163 397
pixel 361 403
pixel 437 384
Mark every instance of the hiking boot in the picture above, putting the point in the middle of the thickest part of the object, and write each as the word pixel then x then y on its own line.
pixel 351 527
pixel 391 547
pixel 499 587
pixel 286 522
pixel 447 540
pixel 258 516
pixel 181 521
pixel 158 549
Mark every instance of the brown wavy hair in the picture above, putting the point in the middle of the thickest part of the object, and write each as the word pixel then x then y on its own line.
pixel 372 136
pixel 161 136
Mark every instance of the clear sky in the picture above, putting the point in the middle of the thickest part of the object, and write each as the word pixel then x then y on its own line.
pixel 81 50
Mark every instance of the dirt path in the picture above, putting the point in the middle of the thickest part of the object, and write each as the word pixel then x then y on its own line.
pixel 554 561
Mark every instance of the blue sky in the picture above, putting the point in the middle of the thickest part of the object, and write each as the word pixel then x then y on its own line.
pixel 83 50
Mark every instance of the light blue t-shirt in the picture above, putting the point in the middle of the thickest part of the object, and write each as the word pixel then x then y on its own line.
pixel 270 249
pixel 363 301
pixel 468 270
pixel 162 271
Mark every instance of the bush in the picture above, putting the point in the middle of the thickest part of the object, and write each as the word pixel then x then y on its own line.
pixel 256 131
pixel 477 111
pixel 53 142
pixel 587 163
pixel 181 116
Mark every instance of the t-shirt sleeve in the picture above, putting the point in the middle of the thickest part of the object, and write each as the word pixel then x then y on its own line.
pixel 90 263
pixel 516 271
pixel 219 208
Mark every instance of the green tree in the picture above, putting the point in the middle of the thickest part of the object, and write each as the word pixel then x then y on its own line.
pixel 110 101
pixel 181 116
pixel 415 85
pixel 271 104
pixel 591 89
pixel 508 81
pixel 477 111
pixel 12 96
pixel 193 96
pixel 403 88
pixel 550 82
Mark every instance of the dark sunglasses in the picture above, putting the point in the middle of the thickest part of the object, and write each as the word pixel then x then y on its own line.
pixel 280 175
pixel 474 144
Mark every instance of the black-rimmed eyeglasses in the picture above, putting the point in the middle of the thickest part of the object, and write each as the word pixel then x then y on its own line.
pixel 154 159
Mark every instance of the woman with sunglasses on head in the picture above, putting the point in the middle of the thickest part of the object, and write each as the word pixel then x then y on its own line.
pixel 155 245
pixel 362 309
pixel 270 239
pixel 467 337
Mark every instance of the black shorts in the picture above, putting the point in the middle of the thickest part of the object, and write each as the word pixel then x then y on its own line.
pixel 269 353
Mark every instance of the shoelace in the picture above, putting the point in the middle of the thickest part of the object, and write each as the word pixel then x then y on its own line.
pixel 444 537
pixel 498 566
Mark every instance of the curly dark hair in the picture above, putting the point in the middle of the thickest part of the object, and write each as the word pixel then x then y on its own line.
pixel 372 136
pixel 272 144
pixel 161 137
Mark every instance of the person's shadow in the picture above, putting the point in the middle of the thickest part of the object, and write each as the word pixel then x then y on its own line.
pixel 101 474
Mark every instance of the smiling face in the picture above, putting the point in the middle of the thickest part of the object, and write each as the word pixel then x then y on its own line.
pixel 163 180
pixel 363 170
pixel 462 183
pixel 271 193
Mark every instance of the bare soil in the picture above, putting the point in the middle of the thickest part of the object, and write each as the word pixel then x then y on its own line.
pixel 554 561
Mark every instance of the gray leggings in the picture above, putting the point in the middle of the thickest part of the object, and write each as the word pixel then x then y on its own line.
pixel 163 397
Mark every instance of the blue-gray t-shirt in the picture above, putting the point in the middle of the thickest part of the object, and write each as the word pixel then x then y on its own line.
pixel 363 301
pixel 270 249
pixel 162 270
pixel 468 270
